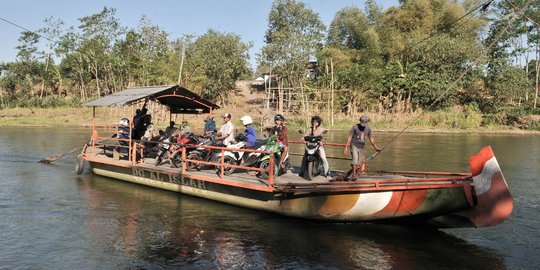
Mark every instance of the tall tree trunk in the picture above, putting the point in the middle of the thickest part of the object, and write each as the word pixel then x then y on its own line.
pixel 44 75
pixel 280 96
pixel 537 77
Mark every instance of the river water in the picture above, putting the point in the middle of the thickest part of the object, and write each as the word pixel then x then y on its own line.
pixel 52 219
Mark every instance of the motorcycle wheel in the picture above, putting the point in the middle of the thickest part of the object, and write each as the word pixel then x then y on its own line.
pixel 192 165
pixel 310 168
pixel 176 161
pixel 227 170
pixel 159 158
pixel 265 164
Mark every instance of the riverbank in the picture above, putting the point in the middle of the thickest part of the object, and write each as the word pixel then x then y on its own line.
pixel 430 122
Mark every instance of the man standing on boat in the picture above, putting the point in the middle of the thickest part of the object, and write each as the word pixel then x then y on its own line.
pixel 227 130
pixel 357 138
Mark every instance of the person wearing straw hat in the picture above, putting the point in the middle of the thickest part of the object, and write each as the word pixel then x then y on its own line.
pixel 356 141
pixel 184 127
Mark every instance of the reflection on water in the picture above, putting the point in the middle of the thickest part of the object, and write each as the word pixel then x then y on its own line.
pixel 152 228
pixel 50 219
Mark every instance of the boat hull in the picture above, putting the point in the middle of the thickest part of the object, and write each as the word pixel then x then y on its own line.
pixel 358 206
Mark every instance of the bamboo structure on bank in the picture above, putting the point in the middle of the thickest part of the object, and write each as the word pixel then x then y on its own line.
pixel 301 101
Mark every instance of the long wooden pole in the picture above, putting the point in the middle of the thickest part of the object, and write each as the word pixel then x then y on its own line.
pixel 332 90
pixel 181 63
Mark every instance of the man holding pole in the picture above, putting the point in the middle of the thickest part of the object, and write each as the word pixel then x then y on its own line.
pixel 357 138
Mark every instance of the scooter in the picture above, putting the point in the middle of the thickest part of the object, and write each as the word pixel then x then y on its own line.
pixel 311 162
pixel 231 157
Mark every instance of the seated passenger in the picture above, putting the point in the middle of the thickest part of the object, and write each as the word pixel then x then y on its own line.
pixel 209 125
pixel 123 131
pixel 184 128
pixel 226 133
pixel 316 130
pixel 148 134
pixel 170 130
pixel 280 130
pixel 249 133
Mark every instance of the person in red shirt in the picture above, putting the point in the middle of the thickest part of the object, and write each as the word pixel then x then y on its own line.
pixel 280 130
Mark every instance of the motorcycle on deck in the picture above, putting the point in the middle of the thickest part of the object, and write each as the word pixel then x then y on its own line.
pixel 163 152
pixel 231 157
pixel 203 154
pixel 273 146
pixel 312 164
pixel 176 155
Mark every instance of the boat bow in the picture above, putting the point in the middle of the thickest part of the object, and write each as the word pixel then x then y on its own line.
pixel 489 194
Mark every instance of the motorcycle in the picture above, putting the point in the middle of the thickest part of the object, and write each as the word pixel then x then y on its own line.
pixel 273 146
pixel 231 157
pixel 203 154
pixel 312 165
pixel 176 154
pixel 166 147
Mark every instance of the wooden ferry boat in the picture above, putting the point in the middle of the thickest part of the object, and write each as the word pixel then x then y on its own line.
pixel 476 199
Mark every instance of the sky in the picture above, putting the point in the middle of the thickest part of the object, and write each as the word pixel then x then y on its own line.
pixel 248 18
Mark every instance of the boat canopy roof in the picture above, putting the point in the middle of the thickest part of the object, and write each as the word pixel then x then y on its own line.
pixel 179 99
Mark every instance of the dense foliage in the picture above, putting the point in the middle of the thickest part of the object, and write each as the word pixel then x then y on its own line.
pixel 482 58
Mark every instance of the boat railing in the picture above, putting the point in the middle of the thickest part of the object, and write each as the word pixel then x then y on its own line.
pixel 133 154
pixel 222 165
pixel 104 144
pixel 324 144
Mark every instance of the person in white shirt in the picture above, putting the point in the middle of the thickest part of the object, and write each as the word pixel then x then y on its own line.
pixel 227 130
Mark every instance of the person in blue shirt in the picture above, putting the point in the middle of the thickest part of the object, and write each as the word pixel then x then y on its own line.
pixel 209 125
pixel 251 135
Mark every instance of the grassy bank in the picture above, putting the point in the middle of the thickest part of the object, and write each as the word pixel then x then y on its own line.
pixel 440 121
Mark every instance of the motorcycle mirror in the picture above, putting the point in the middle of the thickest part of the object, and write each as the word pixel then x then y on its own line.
pixel 161 132
pixel 325 131
pixel 300 131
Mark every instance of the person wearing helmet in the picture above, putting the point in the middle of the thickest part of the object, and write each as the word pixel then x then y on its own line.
pixel 280 130
pixel 317 130
pixel 227 130
pixel 249 132
pixel 357 138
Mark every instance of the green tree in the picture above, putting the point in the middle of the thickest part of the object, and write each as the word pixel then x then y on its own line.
pixel 294 34
pixel 99 32
pixel 351 29
pixel 216 60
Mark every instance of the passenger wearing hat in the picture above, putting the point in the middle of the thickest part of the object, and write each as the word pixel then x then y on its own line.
pixel 184 127
pixel 357 138
pixel 227 130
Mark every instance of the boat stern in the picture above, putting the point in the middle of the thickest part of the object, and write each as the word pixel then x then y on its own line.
pixel 489 194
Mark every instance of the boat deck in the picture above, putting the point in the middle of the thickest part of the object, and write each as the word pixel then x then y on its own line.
pixel 292 182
